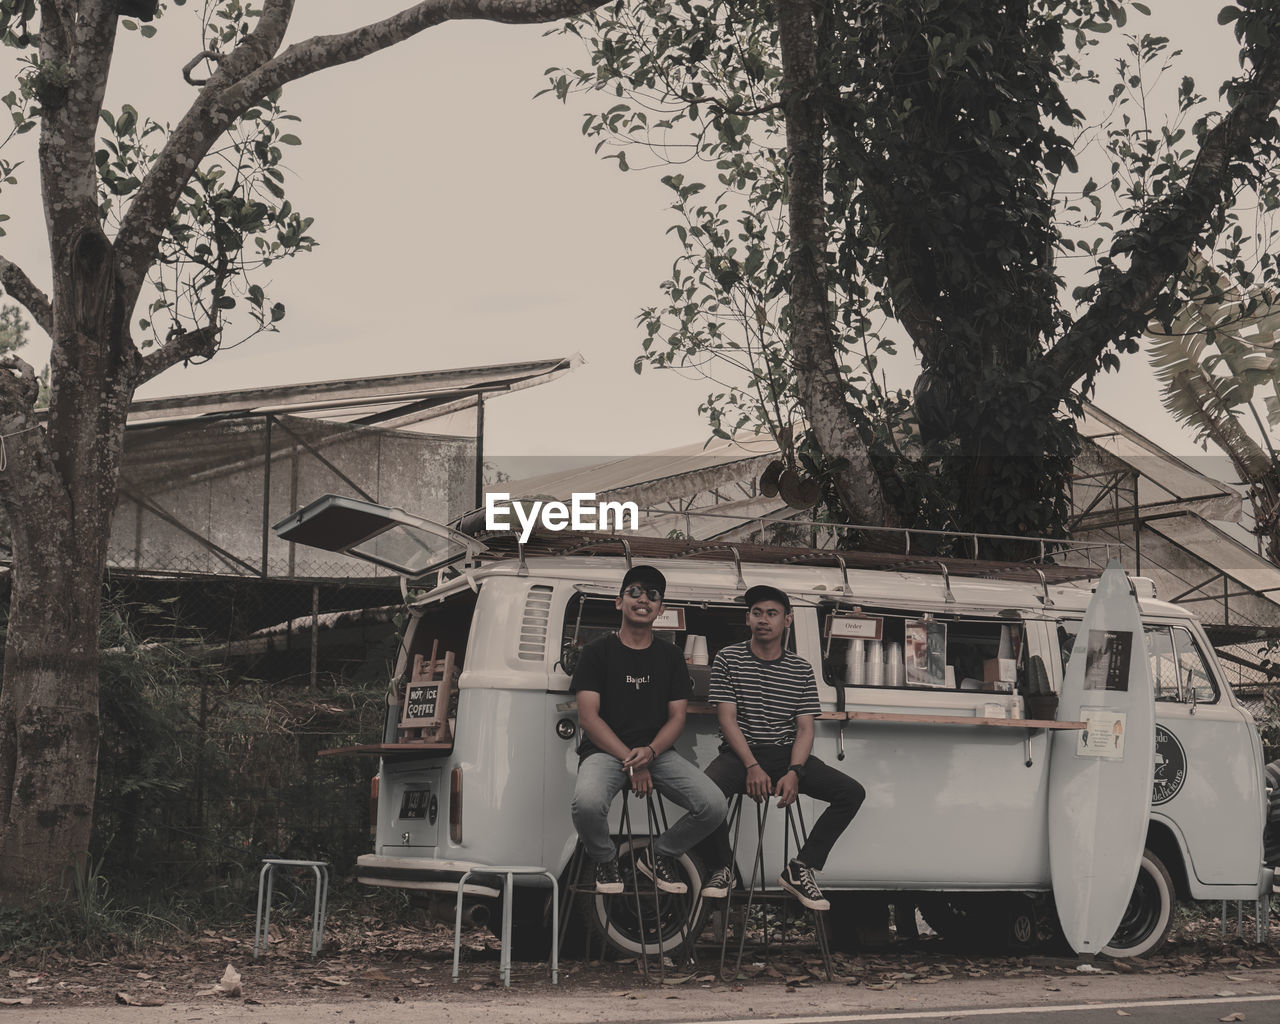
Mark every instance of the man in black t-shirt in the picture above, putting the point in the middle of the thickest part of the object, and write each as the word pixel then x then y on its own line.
pixel 633 690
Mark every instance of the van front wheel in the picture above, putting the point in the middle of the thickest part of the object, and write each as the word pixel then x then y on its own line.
pixel 676 920
pixel 1148 917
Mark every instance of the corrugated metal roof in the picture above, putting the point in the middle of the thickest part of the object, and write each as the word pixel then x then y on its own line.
pixel 1162 478
pixel 716 461
pixel 389 401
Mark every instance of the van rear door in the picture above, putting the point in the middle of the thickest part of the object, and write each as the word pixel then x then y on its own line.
pixel 389 537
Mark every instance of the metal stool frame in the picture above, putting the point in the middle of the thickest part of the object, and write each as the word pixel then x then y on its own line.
pixel 508 898
pixel 1261 909
pixel 656 821
pixel 266 878
pixel 793 827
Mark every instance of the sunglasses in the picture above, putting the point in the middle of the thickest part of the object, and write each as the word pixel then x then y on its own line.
pixel 635 591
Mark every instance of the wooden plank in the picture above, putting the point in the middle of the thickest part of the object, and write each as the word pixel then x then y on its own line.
pixel 998 723
pixel 388 748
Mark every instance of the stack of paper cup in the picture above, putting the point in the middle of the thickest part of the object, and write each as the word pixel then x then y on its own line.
pixel 875 664
pixel 855 671
pixel 688 647
pixel 699 651
pixel 893 670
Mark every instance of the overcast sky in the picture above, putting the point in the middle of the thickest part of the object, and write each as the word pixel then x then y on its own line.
pixel 461 222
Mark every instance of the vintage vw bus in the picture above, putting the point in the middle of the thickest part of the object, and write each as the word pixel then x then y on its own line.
pixel 937 678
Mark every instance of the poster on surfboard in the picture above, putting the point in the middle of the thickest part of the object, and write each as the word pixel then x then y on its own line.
pixel 1100 777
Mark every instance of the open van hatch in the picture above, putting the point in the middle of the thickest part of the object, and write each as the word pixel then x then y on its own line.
pixel 389 537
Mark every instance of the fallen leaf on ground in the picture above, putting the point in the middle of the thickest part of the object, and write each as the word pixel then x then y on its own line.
pixel 229 986
pixel 334 980
pixel 23 1001
pixel 1238 1015
pixel 1088 969
pixel 132 1000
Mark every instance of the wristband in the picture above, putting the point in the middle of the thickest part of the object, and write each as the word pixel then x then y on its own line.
pixel 753 764
pixel 652 751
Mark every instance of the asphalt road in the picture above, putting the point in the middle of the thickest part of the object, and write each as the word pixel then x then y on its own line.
pixel 1200 998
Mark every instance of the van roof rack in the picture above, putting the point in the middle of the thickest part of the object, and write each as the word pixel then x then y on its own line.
pixel 544 542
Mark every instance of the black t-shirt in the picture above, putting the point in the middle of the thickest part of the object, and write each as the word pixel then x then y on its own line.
pixel 635 687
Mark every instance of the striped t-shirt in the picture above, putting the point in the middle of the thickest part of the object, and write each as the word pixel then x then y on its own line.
pixel 769 694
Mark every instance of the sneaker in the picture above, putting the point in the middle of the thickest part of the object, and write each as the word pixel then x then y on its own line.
pixel 662 870
pixel 798 880
pixel 608 877
pixel 718 885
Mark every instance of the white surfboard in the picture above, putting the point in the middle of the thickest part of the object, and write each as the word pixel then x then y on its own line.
pixel 1100 779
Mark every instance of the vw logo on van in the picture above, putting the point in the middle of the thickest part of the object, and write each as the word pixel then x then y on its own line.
pixel 1171 767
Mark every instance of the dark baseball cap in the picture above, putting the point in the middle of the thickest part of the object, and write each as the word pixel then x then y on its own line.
pixel 764 592
pixel 647 576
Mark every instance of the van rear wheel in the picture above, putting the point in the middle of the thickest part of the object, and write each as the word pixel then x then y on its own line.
pixel 675 919
pixel 1148 918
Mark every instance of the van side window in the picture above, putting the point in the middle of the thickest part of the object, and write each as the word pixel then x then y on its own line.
pixel 1196 676
pixel 588 617
pixel 914 650
pixel 1165 674
pixel 1177 665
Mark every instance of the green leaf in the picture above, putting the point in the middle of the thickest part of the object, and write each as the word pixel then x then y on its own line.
pixel 290 140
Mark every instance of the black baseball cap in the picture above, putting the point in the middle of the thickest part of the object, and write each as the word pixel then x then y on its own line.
pixel 647 576
pixel 764 592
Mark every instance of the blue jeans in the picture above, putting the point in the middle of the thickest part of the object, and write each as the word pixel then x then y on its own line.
pixel 601 777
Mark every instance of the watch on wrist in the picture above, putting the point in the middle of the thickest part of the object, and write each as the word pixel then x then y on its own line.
pixel 798 769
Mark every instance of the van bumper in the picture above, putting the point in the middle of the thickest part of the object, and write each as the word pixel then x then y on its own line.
pixel 422 873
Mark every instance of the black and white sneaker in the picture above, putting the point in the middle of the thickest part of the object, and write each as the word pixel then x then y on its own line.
pixel 662 870
pixel 608 877
pixel 718 885
pixel 798 880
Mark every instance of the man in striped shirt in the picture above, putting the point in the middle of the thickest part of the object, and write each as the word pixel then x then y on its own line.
pixel 766 700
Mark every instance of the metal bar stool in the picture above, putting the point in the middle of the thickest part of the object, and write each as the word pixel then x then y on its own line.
pixel 508 897
pixel 635 893
pixel 262 925
pixel 1261 909
pixel 793 827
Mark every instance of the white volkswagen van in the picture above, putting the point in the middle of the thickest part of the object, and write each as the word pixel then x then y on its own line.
pixel 937 679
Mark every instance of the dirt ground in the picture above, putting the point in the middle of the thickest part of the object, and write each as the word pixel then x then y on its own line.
pixel 367 959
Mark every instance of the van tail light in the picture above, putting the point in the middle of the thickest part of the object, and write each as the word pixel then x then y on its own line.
pixel 373 806
pixel 455 806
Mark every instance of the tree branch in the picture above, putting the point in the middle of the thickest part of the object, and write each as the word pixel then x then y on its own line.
pixel 252 70
pixel 1126 298
pixel 21 386
pixel 15 282
pixel 201 343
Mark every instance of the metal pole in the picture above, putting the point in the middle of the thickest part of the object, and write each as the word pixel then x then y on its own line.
pixel 479 451
pixel 266 493
pixel 315 632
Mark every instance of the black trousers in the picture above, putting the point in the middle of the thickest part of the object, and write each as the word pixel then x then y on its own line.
pixel 843 796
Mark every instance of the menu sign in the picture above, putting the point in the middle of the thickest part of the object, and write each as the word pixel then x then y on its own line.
pixel 420 702
pixel 851 626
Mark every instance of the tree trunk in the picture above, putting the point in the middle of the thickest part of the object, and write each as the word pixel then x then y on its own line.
pixel 822 388
pixel 48 727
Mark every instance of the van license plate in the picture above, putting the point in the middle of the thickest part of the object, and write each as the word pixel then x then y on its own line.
pixel 414 803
